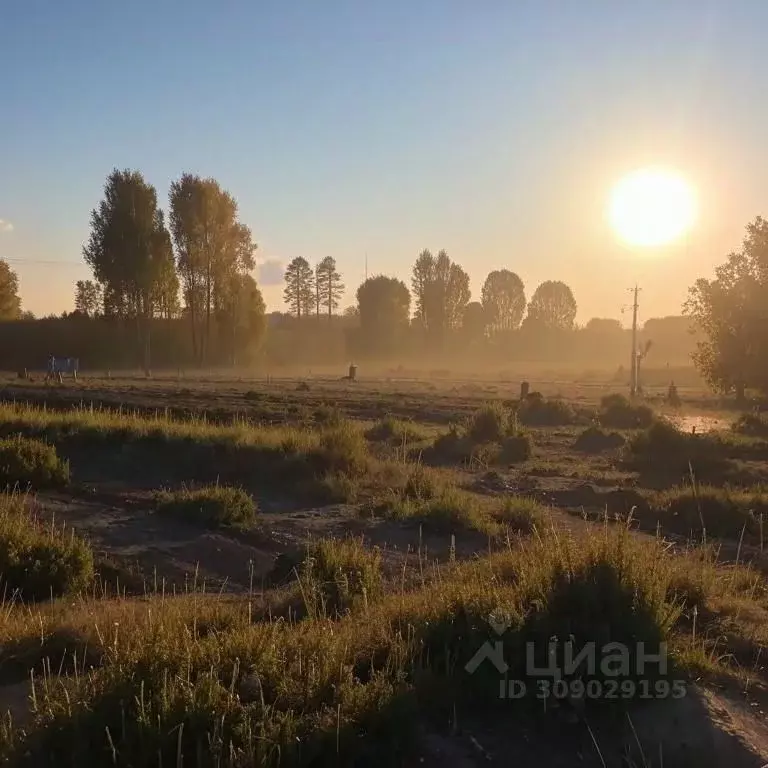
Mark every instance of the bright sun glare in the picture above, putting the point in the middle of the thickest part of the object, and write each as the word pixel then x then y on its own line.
pixel 651 207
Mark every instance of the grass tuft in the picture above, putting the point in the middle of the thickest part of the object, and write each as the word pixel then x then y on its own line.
pixel 39 561
pixel 339 575
pixel 29 462
pixel 214 506
pixel 491 435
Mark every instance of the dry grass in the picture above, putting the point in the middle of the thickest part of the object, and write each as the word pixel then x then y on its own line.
pixel 198 678
pixel 323 463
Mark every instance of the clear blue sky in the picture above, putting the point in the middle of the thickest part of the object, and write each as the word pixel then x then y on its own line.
pixel 492 129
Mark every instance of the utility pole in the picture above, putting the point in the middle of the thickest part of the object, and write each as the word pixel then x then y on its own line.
pixel 633 365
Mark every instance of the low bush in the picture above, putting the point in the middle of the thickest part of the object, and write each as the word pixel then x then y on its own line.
pixel 28 462
pixel 516 448
pixel 491 435
pixel 39 561
pixel 718 512
pixel 537 411
pixel 212 505
pixel 488 424
pixel 520 514
pixel 665 448
pixel 389 429
pixel 595 440
pixel 617 412
pixel 448 510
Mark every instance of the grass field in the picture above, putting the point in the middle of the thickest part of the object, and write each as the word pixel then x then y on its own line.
pixel 230 572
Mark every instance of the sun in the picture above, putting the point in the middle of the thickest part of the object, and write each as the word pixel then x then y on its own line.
pixel 651 207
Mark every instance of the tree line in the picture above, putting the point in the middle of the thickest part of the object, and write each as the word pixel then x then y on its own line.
pixel 180 282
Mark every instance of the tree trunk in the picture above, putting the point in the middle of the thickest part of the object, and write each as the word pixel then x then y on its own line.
pixel 740 392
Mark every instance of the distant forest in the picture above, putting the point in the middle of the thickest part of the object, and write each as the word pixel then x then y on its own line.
pixel 176 291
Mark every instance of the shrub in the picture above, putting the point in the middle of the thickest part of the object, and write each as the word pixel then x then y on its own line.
pixel 722 512
pixel 39 561
pixel 213 505
pixel 516 448
pixel 389 429
pixel 521 514
pixel 594 440
pixel 618 412
pixel 25 461
pixel 540 412
pixel 490 435
pixel 488 424
pixel 336 575
pixel 665 447
pixel 421 484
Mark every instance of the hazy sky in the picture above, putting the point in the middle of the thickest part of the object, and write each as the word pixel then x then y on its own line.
pixel 493 129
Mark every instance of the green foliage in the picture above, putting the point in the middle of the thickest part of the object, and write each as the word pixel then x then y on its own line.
pixel 299 290
pixel 213 506
pixel 38 561
pixel 25 461
pixel 552 306
pixel 130 253
pixel 329 285
pixel 384 310
pixel 10 303
pixel 617 412
pixel 503 299
pixel 732 311
pixel 488 424
pixel 214 251
pixel 441 293
pixel 490 435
